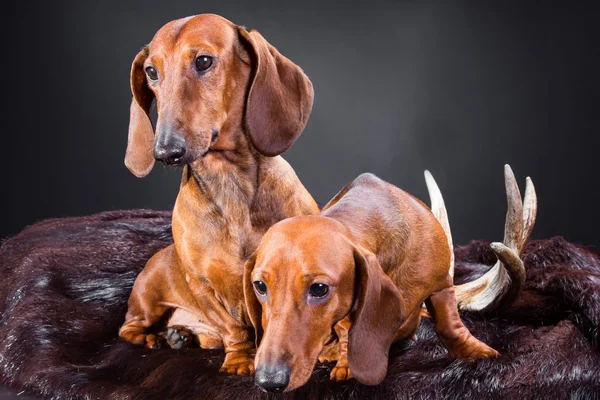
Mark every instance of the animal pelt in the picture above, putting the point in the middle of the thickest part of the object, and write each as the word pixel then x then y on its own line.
pixel 64 291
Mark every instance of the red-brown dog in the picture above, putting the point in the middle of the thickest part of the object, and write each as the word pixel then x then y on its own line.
pixel 228 104
pixel 359 273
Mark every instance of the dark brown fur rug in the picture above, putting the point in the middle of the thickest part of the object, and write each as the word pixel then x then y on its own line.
pixel 63 297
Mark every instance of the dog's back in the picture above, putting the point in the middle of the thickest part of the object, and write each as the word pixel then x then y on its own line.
pixel 389 222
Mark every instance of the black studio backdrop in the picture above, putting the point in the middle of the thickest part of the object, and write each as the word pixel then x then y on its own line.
pixel 456 87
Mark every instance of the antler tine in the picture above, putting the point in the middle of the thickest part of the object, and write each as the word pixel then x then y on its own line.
pixel 509 263
pixel 513 228
pixel 438 207
pixel 530 206
pixel 502 283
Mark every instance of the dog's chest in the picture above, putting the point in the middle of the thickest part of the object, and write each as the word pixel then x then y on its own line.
pixel 216 242
pixel 213 247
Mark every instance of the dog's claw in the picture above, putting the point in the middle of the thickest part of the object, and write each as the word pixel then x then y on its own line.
pixel 242 369
pixel 340 373
pixel 238 364
pixel 153 342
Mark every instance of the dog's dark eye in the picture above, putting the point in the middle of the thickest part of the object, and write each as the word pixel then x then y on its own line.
pixel 203 63
pixel 152 74
pixel 318 290
pixel 260 287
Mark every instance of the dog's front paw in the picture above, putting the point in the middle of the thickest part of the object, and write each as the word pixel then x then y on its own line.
pixel 154 342
pixel 179 337
pixel 238 363
pixel 340 373
pixel 330 353
pixel 137 335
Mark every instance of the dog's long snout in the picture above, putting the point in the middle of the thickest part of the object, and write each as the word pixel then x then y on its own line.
pixel 170 147
pixel 272 378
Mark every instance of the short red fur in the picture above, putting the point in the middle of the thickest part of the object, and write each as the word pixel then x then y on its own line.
pixel 236 119
pixel 382 254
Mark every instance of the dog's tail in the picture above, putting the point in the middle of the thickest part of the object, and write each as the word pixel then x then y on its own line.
pixel 502 283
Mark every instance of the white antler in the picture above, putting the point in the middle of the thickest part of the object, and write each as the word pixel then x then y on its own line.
pixel 439 210
pixel 502 283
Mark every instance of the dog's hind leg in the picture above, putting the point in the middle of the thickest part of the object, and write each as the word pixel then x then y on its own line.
pixel 185 330
pixel 148 303
pixel 450 329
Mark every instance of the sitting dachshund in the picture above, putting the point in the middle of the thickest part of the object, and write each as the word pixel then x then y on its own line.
pixel 228 104
pixel 345 284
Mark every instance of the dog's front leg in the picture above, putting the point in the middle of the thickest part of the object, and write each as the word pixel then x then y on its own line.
pixel 239 354
pixel 341 371
pixel 237 338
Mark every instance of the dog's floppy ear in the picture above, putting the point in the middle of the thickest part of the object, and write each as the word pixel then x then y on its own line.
pixel 280 97
pixel 252 304
pixel 139 158
pixel 376 317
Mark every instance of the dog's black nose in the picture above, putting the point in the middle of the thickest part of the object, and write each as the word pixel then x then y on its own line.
pixel 171 156
pixel 272 378
pixel 170 148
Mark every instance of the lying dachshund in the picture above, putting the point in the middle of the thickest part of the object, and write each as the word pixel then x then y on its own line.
pixel 359 273
pixel 228 104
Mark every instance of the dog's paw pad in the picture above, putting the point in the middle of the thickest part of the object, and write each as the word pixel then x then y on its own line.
pixel 179 337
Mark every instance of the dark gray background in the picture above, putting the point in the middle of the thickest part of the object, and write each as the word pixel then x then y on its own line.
pixel 457 87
